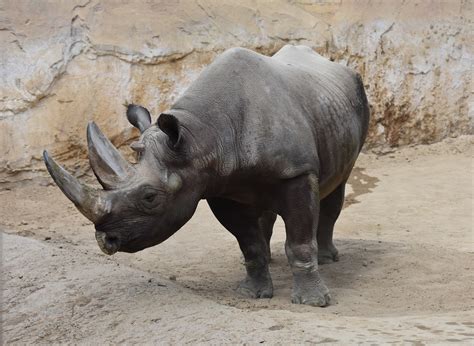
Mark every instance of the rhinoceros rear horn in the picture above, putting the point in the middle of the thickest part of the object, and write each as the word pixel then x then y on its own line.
pixel 108 165
pixel 86 199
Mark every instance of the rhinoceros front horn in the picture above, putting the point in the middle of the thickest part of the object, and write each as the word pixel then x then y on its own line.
pixel 87 200
pixel 108 165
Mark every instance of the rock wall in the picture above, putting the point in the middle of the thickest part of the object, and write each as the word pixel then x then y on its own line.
pixel 67 62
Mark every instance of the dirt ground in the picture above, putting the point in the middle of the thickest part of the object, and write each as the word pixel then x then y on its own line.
pixel 405 273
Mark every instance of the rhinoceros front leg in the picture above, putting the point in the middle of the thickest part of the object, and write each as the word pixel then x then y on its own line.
pixel 299 207
pixel 243 222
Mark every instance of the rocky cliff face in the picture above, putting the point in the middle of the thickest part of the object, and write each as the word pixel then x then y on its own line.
pixel 65 63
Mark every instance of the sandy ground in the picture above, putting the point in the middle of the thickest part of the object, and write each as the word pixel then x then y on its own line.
pixel 405 273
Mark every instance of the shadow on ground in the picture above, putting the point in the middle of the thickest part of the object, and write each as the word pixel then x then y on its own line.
pixel 372 278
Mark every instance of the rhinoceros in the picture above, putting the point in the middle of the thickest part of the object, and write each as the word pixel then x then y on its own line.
pixel 256 137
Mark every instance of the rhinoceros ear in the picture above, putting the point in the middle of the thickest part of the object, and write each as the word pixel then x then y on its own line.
pixel 169 124
pixel 139 117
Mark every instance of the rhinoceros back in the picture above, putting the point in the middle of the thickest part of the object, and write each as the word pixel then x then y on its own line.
pixel 281 116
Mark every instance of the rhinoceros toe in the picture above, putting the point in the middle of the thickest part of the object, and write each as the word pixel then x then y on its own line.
pixel 313 300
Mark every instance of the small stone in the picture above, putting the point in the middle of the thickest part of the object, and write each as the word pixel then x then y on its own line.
pixel 365 264
pixel 24 222
pixel 276 327
pixel 172 277
pixel 149 280
pixel 47 238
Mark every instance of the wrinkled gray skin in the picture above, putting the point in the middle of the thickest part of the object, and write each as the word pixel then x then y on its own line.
pixel 255 136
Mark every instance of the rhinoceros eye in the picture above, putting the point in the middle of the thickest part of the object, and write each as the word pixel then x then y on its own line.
pixel 150 198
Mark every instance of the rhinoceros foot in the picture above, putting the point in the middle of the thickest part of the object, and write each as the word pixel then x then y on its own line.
pixel 256 288
pixel 310 290
pixel 327 255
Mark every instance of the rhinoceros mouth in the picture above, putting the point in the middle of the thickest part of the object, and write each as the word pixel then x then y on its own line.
pixel 109 245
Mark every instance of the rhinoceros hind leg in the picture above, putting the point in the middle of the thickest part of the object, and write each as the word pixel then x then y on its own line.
pixel 243 222
pixel 330 208
pixel 266 222
pixel 299 207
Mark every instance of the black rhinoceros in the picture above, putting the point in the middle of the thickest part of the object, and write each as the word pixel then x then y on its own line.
pixel 255 136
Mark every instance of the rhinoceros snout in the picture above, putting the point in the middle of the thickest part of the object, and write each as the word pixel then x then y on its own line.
pixel 108 244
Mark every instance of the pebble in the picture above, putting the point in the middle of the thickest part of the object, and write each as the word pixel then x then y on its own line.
pixel 172 277
pixel 365 264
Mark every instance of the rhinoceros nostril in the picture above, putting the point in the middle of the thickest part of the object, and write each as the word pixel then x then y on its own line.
pixel 109 244
pixel 111 239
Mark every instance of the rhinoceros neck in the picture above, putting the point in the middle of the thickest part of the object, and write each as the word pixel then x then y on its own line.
pixel 212 151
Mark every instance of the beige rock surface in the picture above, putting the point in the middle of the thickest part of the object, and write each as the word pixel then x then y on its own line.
pixel 67 62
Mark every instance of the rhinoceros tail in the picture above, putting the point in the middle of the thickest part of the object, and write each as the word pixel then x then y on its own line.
pixel 363 110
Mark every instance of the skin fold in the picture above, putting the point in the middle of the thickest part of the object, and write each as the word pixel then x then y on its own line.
pixel 256 137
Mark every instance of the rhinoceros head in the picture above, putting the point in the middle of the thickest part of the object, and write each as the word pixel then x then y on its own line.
pixel 139 205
